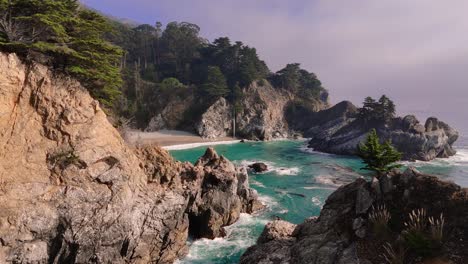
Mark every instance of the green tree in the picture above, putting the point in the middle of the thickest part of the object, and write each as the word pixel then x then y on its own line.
pixel 386 108
pixel 71 36
pixel 378 157
pixel 377 112
pixel 215 85
pixel 171 84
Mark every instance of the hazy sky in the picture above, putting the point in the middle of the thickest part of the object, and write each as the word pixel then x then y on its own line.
pixel 414 51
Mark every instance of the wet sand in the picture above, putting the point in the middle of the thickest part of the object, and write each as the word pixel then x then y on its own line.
pixel 172 139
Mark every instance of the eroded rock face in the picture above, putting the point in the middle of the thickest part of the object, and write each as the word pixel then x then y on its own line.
pixel 337 131
pixel 217 121
pixel 260 116
pixel 342 228
pixel 172 115
pixel 71 190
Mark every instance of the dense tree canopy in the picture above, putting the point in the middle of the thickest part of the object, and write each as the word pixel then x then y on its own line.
pixel 298 80
pixel 377 112
pixel 70 35
pixel 140 64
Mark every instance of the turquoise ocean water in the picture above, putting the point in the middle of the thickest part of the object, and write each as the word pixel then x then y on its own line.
pixel 295 188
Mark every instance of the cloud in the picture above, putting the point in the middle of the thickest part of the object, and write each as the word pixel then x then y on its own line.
pixel 414 51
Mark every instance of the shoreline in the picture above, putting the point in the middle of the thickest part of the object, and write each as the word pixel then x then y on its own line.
pixel 200 144
pixel 173 139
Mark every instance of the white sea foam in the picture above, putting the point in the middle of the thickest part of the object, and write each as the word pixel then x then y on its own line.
pixel 316 201
pixel 201 144
pixel 272 167
pixel 268 201
pixel 327 180
pixel 257 183
pixel 238 237
pixel 318 188
pixel 305 148
pixel 459 159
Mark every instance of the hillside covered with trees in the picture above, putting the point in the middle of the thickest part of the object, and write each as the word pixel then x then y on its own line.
pixel 136 71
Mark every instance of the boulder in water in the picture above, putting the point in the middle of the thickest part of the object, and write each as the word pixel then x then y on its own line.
pixel 258 167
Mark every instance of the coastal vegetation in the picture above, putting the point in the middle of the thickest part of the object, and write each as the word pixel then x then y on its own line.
pixel 376 112
pixel 135 71
pixel 67 37
pixel 377 157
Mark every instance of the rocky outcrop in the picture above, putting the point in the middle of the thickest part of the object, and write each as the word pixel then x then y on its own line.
pixel 343 234
pixel 336 130
pixel 172 115
pixel 261 114
pixel 72 191
pixel 222 195
pixel 217 121
pixel 258 167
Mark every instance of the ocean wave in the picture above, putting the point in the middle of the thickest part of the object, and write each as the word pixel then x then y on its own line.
pixel 306 149
pixel 329 180
pixel 318 188
pixel 272 167
pixel 317 201
pixel 459 159
pixel 268 201
pixel 238 237
pixel 257 183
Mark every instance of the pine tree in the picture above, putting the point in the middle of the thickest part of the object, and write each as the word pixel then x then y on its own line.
pixel 70 35
pixel 215 85
pixel 379 158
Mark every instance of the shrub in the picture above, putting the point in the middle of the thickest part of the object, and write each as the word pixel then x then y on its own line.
pixel 437 227
pixel 424 235
pixel 379 218
pixel 417 220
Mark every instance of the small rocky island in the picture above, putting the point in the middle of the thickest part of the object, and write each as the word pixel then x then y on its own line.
pixel 341 128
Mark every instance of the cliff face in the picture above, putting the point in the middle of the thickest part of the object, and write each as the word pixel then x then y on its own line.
pixel 337 131
pixel 71 191
pixel 261 114
pixel 343 233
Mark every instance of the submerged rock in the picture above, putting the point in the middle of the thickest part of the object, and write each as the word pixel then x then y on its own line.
pixel 259 167
pixel 72 191
pixel 342 229
pixel 336 130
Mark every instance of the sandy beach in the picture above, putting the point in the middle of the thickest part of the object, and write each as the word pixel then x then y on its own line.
pixel 173 139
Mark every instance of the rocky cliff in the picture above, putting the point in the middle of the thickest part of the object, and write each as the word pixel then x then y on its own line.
pixel 337 130
pixel 345 232
pixel 71 190
pixel 261 114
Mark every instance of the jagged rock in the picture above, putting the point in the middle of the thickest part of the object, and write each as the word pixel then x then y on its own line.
pixel 225 194
pixel 277 229
pixel 375 185
pixel 340 231
pixel 217 121
pixel 364 200
pixel 336 130
pixel 409 174
pixel 258 167
pixel 386 184
pixel 172 116
pixel 72 191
